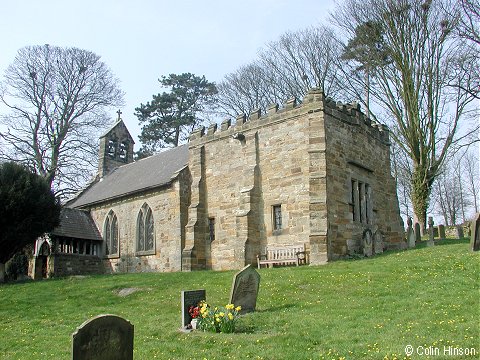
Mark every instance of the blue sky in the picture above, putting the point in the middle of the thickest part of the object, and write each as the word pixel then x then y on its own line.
pixel 144 39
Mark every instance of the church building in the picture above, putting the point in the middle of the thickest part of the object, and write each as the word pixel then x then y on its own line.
pixel 315 173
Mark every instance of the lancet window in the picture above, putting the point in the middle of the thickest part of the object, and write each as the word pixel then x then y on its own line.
pixel 145 231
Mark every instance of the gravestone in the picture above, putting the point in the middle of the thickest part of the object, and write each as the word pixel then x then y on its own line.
pixel 475 238
pixel 378 242
pixel 410 234
pixel 245 287
pixel 105 337
pixel 441 231
pixel 367 242
pixel 430 241
pixel 460 233
pixel 418 234
pixel 191 298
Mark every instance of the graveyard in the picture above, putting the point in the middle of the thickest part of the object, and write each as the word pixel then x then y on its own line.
pixel 369 308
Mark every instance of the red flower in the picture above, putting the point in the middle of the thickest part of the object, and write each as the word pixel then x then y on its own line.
pixel 194 311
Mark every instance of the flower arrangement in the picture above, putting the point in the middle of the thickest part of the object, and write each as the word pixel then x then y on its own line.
pixel 194 311
pixel 218 319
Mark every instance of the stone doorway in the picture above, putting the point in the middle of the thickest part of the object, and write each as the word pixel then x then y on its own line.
pixel 41 261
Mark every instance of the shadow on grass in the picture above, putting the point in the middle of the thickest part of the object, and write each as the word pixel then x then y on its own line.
pixel 421 245
pixel 276 309
pixel 248 325
pixel 443 242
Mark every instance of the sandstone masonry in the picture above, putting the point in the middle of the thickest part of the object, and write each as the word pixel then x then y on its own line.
pixel 316 173
pixel 324 167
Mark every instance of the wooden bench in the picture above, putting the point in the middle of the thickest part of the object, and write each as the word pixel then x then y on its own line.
pixel 282 254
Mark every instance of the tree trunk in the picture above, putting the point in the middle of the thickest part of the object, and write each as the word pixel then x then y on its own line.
pixel 2 273
pixel 177 136
pixel 367 85
pixel 420 196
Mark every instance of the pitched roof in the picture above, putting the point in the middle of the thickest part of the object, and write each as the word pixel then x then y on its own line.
pixel 76 224
pixel 118 123
pixel 148 173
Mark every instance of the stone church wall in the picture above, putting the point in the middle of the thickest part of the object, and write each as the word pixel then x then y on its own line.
pixel 361 191
pixel 304 158
pixel 74 264
pixel 244 170
pixel 166 205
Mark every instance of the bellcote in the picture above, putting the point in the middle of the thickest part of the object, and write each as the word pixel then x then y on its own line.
pixel 116 147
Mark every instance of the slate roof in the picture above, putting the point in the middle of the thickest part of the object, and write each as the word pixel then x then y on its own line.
pixel 76 224
pixel 148 173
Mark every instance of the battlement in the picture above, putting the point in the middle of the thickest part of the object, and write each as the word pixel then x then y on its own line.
pixel 314 101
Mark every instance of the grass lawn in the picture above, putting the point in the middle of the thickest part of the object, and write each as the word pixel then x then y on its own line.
pixel 356 309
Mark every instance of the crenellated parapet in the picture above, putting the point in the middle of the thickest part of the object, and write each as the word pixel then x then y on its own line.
pixel 351 113
pixel 314 101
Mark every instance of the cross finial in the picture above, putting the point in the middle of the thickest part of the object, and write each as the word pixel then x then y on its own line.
pixel 119 113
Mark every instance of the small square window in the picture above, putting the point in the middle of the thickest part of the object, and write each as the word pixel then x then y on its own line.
pixel 277 217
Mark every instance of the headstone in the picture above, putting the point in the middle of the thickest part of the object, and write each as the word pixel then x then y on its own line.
pixel 441 231
pixel 378 242
pixel 460 233
pixel 435 232
pixel 191 298
pixel 410 234
pixel 367 242
pixel 430 232
pixel 418 234
pixel 245 287
pixel 105 337
pixel 475 238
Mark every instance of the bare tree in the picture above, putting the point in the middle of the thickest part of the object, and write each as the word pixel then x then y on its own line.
pixel 286 68
pixel 428 85
pixel 448 198
pixel 245 90
pixel 402 172
pixel 471 174
pixel 456 189
pixel 469 19
pixel 57 97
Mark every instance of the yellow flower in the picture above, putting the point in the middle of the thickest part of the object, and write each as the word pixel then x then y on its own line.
pixel 238 308
pixel 222 314
pixel 230 316
pixel 230 307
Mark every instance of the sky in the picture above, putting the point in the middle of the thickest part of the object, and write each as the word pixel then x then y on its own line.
pixel 142 40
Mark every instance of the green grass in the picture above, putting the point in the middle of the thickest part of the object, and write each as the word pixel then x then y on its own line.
pixel 355 309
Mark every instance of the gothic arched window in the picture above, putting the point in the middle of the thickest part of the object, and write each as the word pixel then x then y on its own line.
pixel 145 231
pixel 110 234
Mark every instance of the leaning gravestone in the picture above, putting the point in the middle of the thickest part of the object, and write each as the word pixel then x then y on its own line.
pixel 105 337
pixel 460 233
pixel 475 238
pixel 367 243
pixel 378 242
pixel 245 289
pixel 410 234
pixel 191 298
pixel 430 241
pixel 418 234
pixel 441 231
